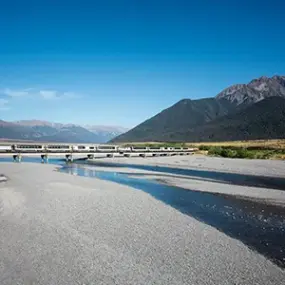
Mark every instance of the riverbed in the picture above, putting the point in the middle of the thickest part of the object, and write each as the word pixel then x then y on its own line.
pixel 139 230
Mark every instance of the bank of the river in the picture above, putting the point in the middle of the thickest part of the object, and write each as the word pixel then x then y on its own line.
pixel 240 166
pixel 257 179
pixel 65 229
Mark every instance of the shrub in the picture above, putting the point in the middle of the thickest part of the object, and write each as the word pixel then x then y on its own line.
pixel 204 147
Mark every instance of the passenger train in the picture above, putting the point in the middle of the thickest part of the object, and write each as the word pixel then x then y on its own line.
pixel 44 148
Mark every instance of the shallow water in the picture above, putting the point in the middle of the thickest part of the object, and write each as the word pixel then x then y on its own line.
pixel 228 178
pixel 259 226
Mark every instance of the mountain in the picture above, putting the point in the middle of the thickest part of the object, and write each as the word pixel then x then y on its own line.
pixel 256 90
pixel 184 120
pixel 263 120
pixel 183 115
pixel 106 133
pixel 36 130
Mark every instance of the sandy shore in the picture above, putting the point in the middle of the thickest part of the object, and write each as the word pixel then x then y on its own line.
pixel 256 176
pixel 62 229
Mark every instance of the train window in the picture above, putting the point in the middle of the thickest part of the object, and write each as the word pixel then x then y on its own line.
pixel 107 147
pixel 81 147
pixel 91 147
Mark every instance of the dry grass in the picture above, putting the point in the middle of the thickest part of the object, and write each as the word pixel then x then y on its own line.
pixel 274 144
pixel 203 152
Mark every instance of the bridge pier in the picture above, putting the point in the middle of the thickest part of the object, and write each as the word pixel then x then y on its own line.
pixel 44 158
pixel 17 157
pixel 68 158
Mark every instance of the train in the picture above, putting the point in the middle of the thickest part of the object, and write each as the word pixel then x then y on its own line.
pixel 44 148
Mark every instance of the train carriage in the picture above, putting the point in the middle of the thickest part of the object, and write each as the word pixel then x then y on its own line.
pixel 139 149
pixel 122 150
pixel 5 148
pixel 83 148
pixel 156 149
pixel 107 148
pixel 58 148
pixel 28 148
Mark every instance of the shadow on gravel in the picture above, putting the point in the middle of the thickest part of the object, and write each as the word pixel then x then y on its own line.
pixel 257 225
pixel 213 176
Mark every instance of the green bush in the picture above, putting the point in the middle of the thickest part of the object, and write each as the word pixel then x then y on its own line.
pixel 241 152
pixel 228 153
pixel 214 150
pixel 244 153
pixel 204 147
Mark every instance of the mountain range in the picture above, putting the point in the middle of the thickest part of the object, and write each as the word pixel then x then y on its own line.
pixel 36 130
pixel 240 112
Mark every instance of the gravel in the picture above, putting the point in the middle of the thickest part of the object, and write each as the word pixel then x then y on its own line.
pixel 3 178
pixel 259 170
pixel 63 229
pixel 260 167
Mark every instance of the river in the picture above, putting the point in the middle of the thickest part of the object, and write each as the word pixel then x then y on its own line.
pixel 261 227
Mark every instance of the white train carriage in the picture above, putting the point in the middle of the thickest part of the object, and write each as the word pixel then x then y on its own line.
pixel 83 148
pixel 122 150
pixel 107 148
pixel 28 148
pixel 58 148
pixel 178 148
pixel 156 149
pixel 139 149
pixel 5 148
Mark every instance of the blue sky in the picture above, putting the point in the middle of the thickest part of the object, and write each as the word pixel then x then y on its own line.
pixel 120 62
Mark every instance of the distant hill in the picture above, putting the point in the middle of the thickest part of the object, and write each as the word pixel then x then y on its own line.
pixel 205 119
pixel 35 130
pixel 105 133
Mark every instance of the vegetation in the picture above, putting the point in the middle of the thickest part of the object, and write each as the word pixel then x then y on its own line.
pixel 155 144
pixel 255 149
pixel 242 152
pixel 249 144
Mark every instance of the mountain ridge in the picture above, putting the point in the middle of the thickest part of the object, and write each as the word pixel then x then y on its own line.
pixel 38 130
pixel 175 122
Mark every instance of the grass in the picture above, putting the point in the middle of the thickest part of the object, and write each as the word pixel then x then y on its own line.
pixel 156 144
pixel 255 149
pixel 258 149
pixel 257 144
pixel 241 152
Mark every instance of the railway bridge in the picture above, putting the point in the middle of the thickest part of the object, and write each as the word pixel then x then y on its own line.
pixel 84 151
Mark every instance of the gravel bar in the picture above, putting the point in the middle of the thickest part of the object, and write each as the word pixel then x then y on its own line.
pixel 63 229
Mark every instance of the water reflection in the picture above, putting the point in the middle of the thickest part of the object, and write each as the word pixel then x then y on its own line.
pixel 259 226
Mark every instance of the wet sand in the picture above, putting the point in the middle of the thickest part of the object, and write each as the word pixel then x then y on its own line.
pixel 63 229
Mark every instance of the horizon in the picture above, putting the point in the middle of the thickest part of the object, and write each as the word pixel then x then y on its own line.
pixel 118 64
